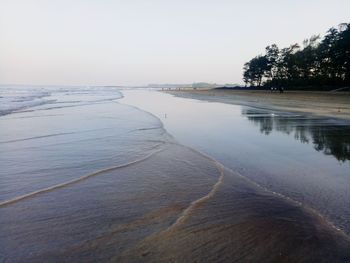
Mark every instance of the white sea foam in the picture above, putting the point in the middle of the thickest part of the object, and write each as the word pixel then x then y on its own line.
pixel 14 98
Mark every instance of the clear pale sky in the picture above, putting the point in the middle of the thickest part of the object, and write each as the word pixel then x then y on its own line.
pixel 136 42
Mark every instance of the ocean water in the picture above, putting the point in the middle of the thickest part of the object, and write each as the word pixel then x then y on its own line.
pixel 302 157
pixel 87 175
pixel 71 135
pixel 19 97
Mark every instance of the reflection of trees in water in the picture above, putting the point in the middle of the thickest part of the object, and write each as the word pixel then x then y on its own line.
pixel 330 139
pixel 333 140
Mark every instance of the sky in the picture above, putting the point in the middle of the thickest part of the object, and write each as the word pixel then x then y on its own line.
pixel 137 42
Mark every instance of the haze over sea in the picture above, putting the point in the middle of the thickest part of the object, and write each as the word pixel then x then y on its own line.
pixel 103 174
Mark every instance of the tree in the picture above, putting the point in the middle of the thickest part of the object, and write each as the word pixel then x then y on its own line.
pixel 343 46
pixel 272 56
pixel 321 62
pixel 255 70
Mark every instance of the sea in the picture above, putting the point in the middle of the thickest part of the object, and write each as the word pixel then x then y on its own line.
pixel 108 174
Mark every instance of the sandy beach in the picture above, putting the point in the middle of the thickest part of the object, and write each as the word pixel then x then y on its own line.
pixel 180 180
pixel 329 104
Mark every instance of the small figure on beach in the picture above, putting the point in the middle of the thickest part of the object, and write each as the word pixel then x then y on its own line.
pixel 275 89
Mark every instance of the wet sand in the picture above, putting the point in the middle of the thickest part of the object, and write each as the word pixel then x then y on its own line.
pixel 329 104
pixel 241 223
pixel 156 200
pixel 176 206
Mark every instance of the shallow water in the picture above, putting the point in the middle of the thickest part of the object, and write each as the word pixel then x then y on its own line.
pixel 87 178
pixel 305 158
pixel 73 135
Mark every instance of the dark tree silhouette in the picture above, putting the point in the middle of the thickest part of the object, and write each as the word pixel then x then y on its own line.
pixel 319 63
pixel 255 70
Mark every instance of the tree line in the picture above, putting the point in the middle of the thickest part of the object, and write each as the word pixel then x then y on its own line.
pixel 320 63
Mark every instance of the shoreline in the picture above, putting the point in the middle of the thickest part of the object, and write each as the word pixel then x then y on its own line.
pixel 179 202
pixel 210 96
pixel 322 104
